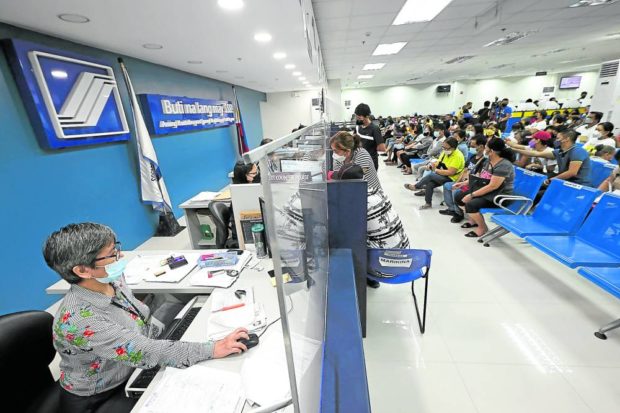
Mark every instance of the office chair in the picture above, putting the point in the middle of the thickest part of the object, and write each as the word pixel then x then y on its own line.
pixel 26 351
pixel 221 213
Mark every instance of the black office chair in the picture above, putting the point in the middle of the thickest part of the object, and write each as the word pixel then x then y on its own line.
pixel 26 351
pixel 221 213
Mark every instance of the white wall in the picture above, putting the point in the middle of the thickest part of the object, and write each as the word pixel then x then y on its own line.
pixel 401 100
pixel 283 112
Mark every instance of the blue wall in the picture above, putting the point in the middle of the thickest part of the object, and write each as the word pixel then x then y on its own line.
pixel 42 191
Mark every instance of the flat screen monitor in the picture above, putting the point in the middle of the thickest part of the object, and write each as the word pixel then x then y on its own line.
pixel 295 165
pixel 570 82
pixel 263 211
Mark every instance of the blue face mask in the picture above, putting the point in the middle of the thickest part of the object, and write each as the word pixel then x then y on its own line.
pixel 472 151
pixel 114 271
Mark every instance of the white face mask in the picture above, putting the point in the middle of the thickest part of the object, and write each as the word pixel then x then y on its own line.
pixel 436 134
pixel 596 134
pixel 448 152
pixel 470 133
pixel 338 158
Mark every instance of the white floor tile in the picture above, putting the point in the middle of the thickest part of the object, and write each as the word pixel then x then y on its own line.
pixel 519 389
pixel 402 387
pixel 598 387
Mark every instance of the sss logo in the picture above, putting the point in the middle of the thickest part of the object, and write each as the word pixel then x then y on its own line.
pixel 71 100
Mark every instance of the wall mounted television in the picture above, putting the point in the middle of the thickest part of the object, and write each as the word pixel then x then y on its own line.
pixel 570 82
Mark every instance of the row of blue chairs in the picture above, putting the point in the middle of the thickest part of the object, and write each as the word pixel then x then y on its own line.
pixel 566 227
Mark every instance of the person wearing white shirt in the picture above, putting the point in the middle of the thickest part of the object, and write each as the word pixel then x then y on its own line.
pixel 584 100
pixel 540 123
pixel 603 135
pixel 527 105
pixel 551 104
pixel 589 128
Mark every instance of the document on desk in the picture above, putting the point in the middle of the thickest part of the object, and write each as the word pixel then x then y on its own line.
pixel 196 389
pixel 170 275
pixel 203 197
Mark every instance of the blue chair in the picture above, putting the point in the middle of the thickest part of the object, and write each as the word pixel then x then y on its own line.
pixel 609 280
pixel 561 211
pixel 596 244
pixel 394 266
pixel 600 172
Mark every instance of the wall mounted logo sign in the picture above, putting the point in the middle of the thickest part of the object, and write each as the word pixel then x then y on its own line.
pixel 71 100
pixel 172 114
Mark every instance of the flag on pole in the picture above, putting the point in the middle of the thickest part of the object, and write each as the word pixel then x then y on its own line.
pixel 152 184
pixel 242 142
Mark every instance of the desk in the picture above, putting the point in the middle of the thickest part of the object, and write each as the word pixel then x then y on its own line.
pixel 197 332
pixel 144 287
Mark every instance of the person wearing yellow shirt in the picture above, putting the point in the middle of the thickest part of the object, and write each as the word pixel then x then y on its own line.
pixel 448 168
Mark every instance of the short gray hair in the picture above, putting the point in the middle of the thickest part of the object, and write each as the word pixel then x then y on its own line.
pixel 76 244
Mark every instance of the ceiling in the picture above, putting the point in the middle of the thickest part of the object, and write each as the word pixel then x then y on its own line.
pixel 192 30
pixel 563 40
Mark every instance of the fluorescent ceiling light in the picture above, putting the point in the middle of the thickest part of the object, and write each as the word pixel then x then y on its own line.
pixel 415 11
pixel 279 55
pixel 388 48
pixel 296 73
pixel 373 66
pixel 365 76
pixel 59 74
pixel 289 66
pixel 301 78
pixel 230 4
pixel 584 3
pixel 262 37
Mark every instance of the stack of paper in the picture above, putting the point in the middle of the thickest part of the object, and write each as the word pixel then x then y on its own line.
pixel 202 197
pixel 221 323
pixel 196 389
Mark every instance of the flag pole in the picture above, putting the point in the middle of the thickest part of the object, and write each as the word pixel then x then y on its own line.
pixel 156 195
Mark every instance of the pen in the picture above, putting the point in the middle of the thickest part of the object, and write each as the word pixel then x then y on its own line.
pixel 230 307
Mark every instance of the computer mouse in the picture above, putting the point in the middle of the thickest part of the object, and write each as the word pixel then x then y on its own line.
pixel 252 341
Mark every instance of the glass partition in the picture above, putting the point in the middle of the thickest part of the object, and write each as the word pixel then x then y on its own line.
pixel 293 175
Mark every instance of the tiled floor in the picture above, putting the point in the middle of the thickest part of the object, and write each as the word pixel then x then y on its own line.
pixel 508 329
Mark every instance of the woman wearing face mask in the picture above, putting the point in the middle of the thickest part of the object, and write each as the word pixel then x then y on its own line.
pixel 101 331
pixel 588 129
pixel 541 142
pixel 501 175
pixel 384 228
pixel 602 135
pixel 246 173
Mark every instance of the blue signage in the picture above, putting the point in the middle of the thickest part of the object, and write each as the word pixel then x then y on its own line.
pixel 171 114
pixel 71 100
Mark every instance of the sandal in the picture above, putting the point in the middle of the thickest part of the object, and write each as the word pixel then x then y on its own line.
pixel 469 225
pixel 472 234
pixel 410 187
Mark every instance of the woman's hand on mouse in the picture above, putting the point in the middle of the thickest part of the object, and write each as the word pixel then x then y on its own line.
pixel 230 344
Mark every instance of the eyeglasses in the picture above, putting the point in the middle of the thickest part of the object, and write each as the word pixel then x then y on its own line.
pixel 116 254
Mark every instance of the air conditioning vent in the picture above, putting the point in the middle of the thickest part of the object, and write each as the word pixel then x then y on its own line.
pixel 609 69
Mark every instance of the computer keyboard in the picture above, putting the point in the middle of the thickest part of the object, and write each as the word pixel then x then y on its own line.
pixel 174 332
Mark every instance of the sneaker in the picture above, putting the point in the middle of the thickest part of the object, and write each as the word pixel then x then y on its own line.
pixel 372 283
pixel 447 211
pixel 420 193
pixel 457 218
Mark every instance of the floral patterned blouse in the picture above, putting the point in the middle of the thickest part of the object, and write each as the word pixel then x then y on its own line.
pixel 102 339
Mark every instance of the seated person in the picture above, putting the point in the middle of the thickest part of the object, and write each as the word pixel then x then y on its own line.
pixel 500 172
pixel 603 153
pixel 414 148
pixel 448 168
pixel 540 141
pixel 434 149
pixel 573 162
pixel 246 173
pixel 612 184
pixel 472 166
pixel 589 127
pixel 603 135
pixel 101 331
pixel 461 138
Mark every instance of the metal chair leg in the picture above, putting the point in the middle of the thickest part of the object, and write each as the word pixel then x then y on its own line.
pixel 607 327
pixel 495 236
pixel 488 234
pixel 421 321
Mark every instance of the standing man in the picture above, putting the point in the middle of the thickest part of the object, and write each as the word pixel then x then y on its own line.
pixel 484 114
pixel 502 113
pixel 370 133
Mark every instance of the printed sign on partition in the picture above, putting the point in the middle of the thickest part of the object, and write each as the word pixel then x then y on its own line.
pixel 71 100
pixel 171 114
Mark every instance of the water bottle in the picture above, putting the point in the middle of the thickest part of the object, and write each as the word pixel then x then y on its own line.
pixel 258 234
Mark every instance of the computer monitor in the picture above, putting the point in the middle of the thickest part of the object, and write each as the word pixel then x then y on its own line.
pixel 570 82
pixel 261 202
pixel 297 165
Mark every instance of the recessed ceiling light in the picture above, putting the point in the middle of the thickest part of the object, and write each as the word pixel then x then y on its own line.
pixel 508 39
pixel 301 78
pixel 414 11
pixel 296 73
pixel 289 66
pixel 373 66
pixel 59 74
pixel 194 62
pixel 584 3
pixel 152 46
pixel 262 37
pixel 73 18
pixel 279 55
pixel 365 76
pixel 388 48
pixel 230 4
